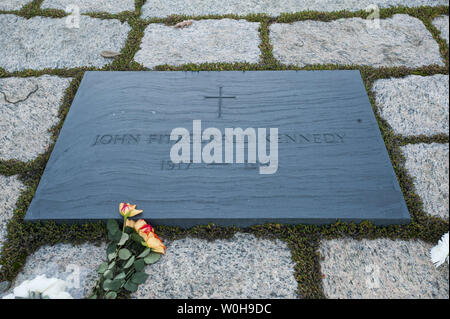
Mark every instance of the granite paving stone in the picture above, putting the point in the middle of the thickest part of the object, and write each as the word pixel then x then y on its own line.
pixel 8 5
pixel 428 166
pixel 241 267
pixel 398 41
pixel 414 105
pixel 381 269
pixel 42 42
pixel 164 8
pixel 10 189
pixel 211 41
pixel 28 109
pixel 109 6
pixel 441 23
pixel 77 265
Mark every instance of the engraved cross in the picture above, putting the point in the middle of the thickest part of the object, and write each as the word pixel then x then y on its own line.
pixel 220 97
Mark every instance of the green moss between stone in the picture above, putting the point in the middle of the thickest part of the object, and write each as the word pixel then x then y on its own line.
pixel 303 240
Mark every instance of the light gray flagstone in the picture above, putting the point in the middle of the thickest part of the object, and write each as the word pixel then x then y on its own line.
pixel 224 40
pixel 381 269
pixel 398 41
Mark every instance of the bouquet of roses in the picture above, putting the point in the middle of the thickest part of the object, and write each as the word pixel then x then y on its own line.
pixel 130 250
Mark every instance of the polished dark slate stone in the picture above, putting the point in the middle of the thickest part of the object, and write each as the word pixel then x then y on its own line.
pixel 114 147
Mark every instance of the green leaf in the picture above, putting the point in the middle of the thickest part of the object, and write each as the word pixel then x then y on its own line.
pixel 152 258
pixel 136 238
pixel 112 226
pixel 93 297
pixel 131 287
pixel 129 262
pixel 111 295
pixel 112 256
pixel 106 284
pixel 115 237
pixel 144 253
pixel 111 248
pixel 120 276
pixel 108 274
pixel 111 265
pixel 139 278
pixel 113 285
pixel 124 254
pixel 111 237
pixel 139 265
pixel 123 239
pixel 102 268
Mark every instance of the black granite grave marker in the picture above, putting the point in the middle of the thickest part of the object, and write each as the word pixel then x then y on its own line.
pixel 115 147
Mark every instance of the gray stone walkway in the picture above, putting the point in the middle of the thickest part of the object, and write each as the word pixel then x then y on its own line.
pixel 110 6
pixel 39 42
pixel 27 113
pixel 164 8
pixel 399 41
pixel 10 188
pixel 381 269
pixel 429 167
pixel 223 40
pixel 414 105
pixel 243 267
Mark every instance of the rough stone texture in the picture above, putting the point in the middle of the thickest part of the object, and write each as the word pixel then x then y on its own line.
pixel 243 267
pixel 24 126
pixel 110 6
pixel 441 23
pixel 399 41
pixel 223 40
pixel 40 42
pixel 10 188
pixel 163 8
pixel 414 105
pixel 381 269
pixel 13 4
pixel 75 264
pixel 428 165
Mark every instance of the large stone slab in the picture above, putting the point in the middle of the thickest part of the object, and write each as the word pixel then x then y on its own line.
pixel 10 191
pixel 13 4
pixel 40 43
pixel 242 267
pixel 332 163
pixel 381 269
pixel 164 8
pixel 428 165
pixel 110 6
pixel 414 105
pixel 399 41
pixel 28 109
pixel 77 265
pixel 224 40
pixel 441 23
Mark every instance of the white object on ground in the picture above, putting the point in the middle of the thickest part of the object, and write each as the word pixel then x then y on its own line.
pixel 52 288
pixel 439 253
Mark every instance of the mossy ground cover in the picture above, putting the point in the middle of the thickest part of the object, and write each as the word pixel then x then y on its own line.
pixel 303 240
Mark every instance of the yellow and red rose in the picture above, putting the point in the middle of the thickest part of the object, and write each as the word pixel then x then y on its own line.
pixel 151 240
pixel 127 210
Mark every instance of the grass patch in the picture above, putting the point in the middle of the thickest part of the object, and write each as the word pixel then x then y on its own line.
pixel 303 240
